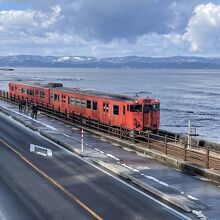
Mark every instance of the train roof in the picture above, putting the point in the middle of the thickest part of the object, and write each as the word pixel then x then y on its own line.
pixel 79 91
pixel 95 93
pixel 34 84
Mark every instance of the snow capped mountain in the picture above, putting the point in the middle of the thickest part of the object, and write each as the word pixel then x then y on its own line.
pixel 110 62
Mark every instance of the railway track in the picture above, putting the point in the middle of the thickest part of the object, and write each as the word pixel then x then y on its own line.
pixel 169 143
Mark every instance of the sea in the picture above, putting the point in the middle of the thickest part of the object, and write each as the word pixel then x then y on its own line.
pixel 184 94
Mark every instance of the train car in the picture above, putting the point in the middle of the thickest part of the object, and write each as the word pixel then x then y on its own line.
pixel 133 113
pixel 138 114
pixel 34 92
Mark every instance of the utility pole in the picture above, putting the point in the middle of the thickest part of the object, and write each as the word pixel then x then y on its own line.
pixel 189 134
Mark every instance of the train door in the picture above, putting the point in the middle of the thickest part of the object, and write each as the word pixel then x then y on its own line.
pixel 105 112
pixel 63 103
pixel 147 117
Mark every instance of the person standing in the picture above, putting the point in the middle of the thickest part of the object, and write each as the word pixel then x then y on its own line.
pixel 26 105
pixel 34 111
pixel 20 104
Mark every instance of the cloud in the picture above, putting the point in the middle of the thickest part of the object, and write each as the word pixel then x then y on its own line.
pixel 27 19
pixel 109 28
pixel 203 31
pixel 127 19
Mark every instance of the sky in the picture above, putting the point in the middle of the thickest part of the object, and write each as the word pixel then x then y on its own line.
pixel 106 28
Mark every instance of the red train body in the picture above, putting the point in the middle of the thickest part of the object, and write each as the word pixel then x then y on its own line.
pixel 137 114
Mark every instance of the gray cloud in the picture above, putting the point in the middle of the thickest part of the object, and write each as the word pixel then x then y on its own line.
pixel 100 27
pixel 106 20
pixel 128 19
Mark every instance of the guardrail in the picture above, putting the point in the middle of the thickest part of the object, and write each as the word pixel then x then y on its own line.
pixel 176 147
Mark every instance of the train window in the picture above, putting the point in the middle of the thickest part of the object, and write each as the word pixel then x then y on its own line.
pixel 128 108
pixel 115 109
pixel 32 92
pixel 94 105
pixel 88 105
pixel 15 87
pixel 146 108
pixel 135 108
pixel 36 92
pixel 77 101
pixel 123 110
pixel 83 102
pixel 42 94
pixel 156 107
pixel 56 97
pixel 25 91
pixel 28 91
pixel 71 100
pixel 12 88
pixel 63 98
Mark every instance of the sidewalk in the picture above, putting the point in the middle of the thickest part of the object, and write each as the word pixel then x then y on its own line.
pixel 189 192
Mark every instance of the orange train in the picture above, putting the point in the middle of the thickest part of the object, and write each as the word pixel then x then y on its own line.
pixel 133 113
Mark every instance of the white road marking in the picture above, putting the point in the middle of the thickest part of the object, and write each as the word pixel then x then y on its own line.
pixel 130 168
pixel 66 135
pixel 156 180
pixel 99 150
pixel 112 156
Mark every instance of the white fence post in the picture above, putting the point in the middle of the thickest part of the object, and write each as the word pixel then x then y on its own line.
pixel 82 140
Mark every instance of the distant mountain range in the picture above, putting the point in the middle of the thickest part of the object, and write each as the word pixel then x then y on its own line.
pixel 175 62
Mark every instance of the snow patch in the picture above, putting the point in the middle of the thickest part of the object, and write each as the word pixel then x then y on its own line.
pixel 116 144
pixel 103 139
pixel 78 58
pixel 191 197
pixel 26 116
pixel 199 214
pixel 61 59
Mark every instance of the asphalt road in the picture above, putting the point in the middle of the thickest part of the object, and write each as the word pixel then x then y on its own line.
pixel 63 186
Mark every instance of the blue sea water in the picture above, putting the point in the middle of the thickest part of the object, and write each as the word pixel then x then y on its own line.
pixel 184 94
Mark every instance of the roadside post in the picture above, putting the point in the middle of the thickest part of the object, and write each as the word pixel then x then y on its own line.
pixel 82 140
pixel 191 132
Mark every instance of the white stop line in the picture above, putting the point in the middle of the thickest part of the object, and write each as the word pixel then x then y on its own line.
pixel 41 150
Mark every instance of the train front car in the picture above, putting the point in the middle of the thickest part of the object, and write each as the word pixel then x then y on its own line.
pixel 144 114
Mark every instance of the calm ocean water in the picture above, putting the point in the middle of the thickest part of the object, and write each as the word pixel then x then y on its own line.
pixel 184 94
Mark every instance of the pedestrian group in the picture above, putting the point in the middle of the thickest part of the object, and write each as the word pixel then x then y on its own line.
pixel 26 105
